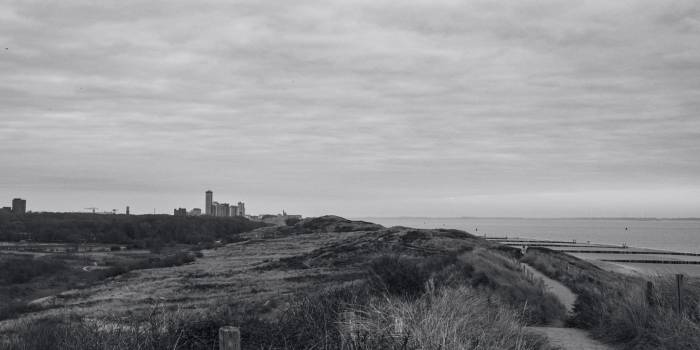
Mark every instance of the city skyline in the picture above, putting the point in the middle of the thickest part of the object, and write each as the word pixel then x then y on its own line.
pixel 354 108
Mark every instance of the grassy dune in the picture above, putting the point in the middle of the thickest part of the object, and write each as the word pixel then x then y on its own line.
pixel 294 287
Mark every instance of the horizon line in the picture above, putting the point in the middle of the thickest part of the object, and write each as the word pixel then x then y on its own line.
pixel 531 217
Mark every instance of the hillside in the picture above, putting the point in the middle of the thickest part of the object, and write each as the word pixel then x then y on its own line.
pixel 276 274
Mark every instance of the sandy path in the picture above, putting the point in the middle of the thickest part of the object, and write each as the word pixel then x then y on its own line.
pixel 563 293
pixel 570 338
pixel 565 338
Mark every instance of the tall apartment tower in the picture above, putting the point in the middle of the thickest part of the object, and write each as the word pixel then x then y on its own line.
pixel 208 203
pixel 226 210
pixel 241 209
pixel 19 206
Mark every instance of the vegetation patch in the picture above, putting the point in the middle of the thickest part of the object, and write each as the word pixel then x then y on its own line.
pixel 629 311
pixel 417 275
pixel 139 231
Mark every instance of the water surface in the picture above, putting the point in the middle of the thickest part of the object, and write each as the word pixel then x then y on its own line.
pixel 669 234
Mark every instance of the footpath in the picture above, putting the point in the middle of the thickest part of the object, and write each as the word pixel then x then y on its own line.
pixel 559 336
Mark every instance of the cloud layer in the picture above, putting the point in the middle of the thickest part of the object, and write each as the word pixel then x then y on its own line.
pixel 358 108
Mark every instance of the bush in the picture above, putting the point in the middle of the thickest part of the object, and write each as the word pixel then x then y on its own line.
pixel 22 269
pixel 398 275
pixel 408 277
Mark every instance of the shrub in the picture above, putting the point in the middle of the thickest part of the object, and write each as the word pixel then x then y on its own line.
pixel 408 276
pixel 398 275
pixel 22 269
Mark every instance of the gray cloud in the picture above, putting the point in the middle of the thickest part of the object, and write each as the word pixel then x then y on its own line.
pixel 357 108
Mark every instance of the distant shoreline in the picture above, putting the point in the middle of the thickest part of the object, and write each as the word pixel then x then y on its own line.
pixel 525 218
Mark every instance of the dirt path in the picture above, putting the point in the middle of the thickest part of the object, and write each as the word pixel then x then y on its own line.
pixel 570 338
pixel 563 293
pixel 565 338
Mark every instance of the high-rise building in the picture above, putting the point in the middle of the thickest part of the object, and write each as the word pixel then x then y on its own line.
pixel 208 201
pixel 223 209
pixel 180 212
pixel 195 212
pixel 127 210
pixel 19 206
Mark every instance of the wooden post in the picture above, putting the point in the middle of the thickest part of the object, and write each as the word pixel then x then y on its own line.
pixel 679 287
pixel 229 338
pixel 650 293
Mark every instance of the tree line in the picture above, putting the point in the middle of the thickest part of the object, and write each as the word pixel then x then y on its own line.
pixel 137 230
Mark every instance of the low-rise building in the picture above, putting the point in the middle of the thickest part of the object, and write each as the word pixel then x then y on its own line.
pixel 279 219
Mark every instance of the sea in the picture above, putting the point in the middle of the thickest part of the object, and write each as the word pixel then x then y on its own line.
pixel 681 235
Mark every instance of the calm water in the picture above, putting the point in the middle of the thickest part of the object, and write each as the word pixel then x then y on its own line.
pixel 677 235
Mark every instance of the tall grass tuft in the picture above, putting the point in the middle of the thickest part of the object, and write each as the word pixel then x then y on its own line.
pixel 449 318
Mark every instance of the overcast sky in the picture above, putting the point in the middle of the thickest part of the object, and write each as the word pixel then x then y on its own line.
pixel 356 108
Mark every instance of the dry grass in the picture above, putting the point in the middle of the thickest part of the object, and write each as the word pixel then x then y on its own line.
pixel 451 318
pixel 158 330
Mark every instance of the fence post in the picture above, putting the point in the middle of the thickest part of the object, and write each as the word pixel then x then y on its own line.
pixel 679 287
pixel 229 338
pixel 650 293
